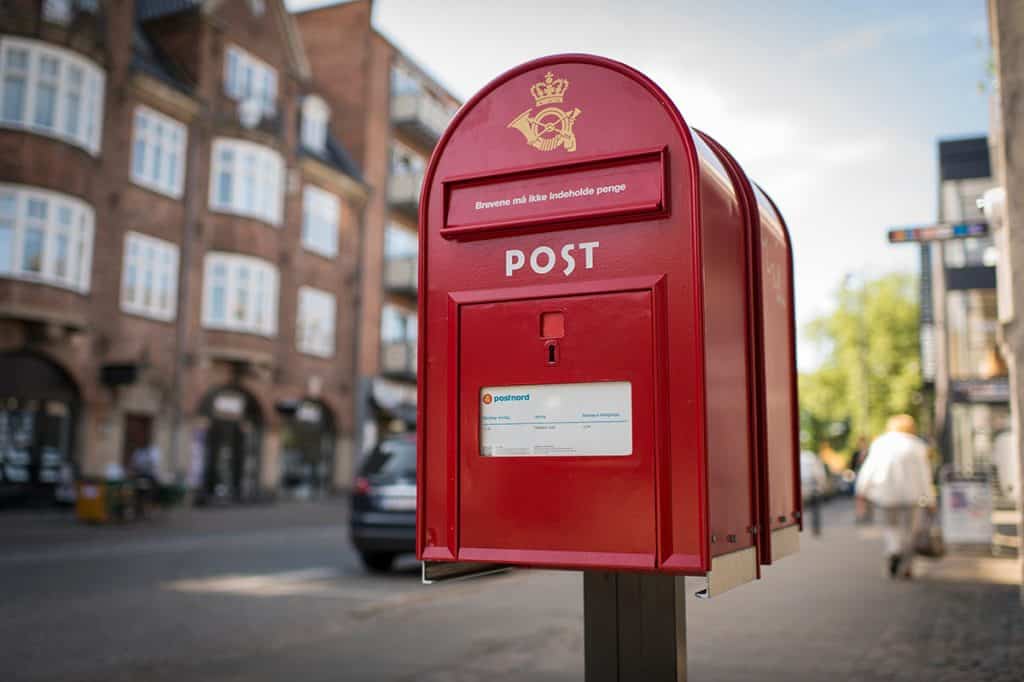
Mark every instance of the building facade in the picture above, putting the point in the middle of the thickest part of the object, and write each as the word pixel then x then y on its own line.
pixel 179 240
pixel 390 114
pixel 961 359
pixel 1005 207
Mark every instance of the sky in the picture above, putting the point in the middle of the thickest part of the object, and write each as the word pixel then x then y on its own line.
pixel 835 108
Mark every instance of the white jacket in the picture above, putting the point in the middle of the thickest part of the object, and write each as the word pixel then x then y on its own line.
pixel 896 472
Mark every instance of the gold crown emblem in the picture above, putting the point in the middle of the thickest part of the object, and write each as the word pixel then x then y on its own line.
pixel 551 90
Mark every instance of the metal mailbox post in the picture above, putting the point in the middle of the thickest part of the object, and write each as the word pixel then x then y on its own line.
pixel 605 345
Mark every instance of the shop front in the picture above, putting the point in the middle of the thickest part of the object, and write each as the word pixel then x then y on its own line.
pixel 979 386
pixel 39 407
pixel 392 411
pixel 227 467
pixel 308 439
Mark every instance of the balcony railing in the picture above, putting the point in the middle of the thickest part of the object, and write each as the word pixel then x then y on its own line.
pixel 421 116
pixel 400 275
pixel 398 359
pixel 404 192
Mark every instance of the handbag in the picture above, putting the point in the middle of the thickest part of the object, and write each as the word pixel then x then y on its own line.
pixel 928 540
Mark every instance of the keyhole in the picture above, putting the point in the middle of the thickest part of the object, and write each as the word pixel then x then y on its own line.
pixel 552 353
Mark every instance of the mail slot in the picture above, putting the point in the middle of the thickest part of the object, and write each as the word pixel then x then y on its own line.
pixel 592 391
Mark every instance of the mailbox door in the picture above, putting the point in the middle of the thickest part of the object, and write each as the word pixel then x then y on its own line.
pixel 556 436
pixel 782 473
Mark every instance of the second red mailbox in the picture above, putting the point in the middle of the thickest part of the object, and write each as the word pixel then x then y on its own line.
pixel 591 394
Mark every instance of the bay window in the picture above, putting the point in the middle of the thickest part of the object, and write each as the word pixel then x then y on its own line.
pixel 51 91
pixel 247 179
pixel 45 237
pixel 240 294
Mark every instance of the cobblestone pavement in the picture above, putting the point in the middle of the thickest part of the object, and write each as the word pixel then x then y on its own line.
pixel 275 593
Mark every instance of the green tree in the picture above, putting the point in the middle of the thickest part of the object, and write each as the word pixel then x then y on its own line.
pixel 870 342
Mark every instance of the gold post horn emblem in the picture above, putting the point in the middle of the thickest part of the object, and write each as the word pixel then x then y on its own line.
pixel 551 128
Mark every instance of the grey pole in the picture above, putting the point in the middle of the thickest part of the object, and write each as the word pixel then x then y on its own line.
pixel 634 627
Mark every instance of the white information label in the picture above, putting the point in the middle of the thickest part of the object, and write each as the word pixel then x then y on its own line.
pixel 557 420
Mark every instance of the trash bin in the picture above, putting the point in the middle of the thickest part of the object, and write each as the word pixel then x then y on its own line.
pixel 99 501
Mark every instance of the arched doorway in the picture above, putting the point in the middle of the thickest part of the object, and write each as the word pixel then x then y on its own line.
pixel 307 449
pixel 39 407
pixel 231 471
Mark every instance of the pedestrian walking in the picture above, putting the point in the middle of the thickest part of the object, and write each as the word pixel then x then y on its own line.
pixel 860 453
pixel 813 483
pixel 896 478
pixel 864 515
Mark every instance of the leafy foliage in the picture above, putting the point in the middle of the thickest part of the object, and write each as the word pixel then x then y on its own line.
pixel 872 366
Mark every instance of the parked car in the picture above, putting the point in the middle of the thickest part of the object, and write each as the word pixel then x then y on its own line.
pixel 383 520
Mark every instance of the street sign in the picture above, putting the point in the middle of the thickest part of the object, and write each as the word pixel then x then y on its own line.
pixel 966 506
pixel 589 396
pixel 939 232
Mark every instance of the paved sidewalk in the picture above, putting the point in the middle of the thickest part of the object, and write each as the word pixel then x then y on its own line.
pixel 969 569
pixel 831 613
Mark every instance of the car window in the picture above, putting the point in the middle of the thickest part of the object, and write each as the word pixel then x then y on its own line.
pixel 392 457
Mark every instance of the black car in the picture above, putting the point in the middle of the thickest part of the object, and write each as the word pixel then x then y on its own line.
pixel 384 503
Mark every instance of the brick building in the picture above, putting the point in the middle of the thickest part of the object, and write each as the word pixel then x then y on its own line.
pixel 179 242
pixel 389 113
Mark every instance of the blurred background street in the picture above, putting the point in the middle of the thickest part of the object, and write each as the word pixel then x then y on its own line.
pixel 214 338
pixel 277 593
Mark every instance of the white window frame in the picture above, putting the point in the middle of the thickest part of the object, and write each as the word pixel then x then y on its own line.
pixel 149 263
pixel 315 114
pixel 404 81
pixel 321 213
pixel 77 233
pixel 397 230
pixel 310 338
pixel 251 163
pixel 166 137
pixel 399 316
pixel 83 131
pixel 57 11
pixel 416 165
pixel 251 285
pixel 247 76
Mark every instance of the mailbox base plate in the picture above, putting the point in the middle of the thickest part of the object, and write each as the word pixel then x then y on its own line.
pixel 729 571
pixel 785 541
pixel 444 571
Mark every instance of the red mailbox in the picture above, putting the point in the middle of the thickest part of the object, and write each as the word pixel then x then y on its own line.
pixel 590 379
pixel 773 366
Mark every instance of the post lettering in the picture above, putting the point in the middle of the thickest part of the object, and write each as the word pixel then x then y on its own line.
pixel 535 260
pixel 514 260
pixel 570 262
pixel 588 248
